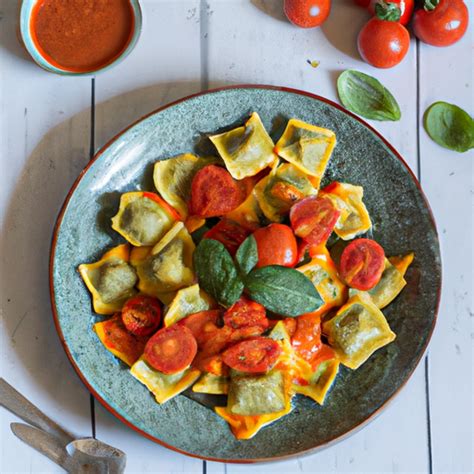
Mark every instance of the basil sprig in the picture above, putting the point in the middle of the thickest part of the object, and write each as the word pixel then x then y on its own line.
pixel 366 96
pixel 216 272
pixel 450 126
pixel 282 290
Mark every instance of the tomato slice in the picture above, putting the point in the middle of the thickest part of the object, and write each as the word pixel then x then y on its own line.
pixel 244 313
pixel 313 219
pixel 214 192
pixel 171 349
pixel 276 245
pixel 325 353
pixel 141 315
pixel 253 355
pixel 202 325
pixel 307 338
pixel 228 233
pixel 215 342
pixel 362 263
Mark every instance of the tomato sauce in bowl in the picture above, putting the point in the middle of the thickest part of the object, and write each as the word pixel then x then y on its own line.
pixel 82 35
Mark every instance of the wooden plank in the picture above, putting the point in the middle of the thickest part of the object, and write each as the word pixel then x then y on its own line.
pixel 447 178
pixel 258 45
pixel 45 123
pixel 164 66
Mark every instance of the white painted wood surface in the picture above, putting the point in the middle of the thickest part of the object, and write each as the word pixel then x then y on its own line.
pixel 187 46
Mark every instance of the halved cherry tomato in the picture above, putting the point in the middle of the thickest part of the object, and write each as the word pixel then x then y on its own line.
pixel 214 192
pixel 362 264
pixel 405 6
pixel 245 313
pixel 247 332
pixel 228 233
pixel 217 341
pixel 307 337
pixel 313 219
pixel 276 245
pixel 441 23
pixel 141 315
pixel 171 349
pixel 252 355
pixel 202 324
pixel 383 43
pixel 307 13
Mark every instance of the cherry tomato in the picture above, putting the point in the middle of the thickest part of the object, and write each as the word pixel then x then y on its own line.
pixel 202 324
pixel 245 313
pixel 228 233
pixel 362 264
pixel 141 315
pixel 118 338
pixel 307 337
pixel 325 353
pixel 216 341
pixel 252 355
pixel 307 13
pixel 313 219
pixel 276 245
pixel 362 3
pixel 405 6
pixel 171 349
pixel 443 25
pixel 214 192
pixel 383 43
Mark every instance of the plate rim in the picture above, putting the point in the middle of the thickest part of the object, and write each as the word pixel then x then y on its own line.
pixel 98 154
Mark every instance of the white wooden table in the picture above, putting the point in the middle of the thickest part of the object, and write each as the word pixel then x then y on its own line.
pixel 51 125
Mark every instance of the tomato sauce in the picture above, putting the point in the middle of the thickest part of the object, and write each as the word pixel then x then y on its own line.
pixel 81 35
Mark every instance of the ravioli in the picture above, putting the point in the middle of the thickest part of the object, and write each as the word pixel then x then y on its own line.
pixel 354 218
pixel 143 218
pixel 173 177
pixel 164 387
pixel 187 301
pixel 278 191
pixel 169 267
pixel 117 340
pixel 388 288
pixel 357 330
pixel 111 280
pixel 248 214
pixel 212 384
pixel 320 381
pixel 245 150
pixel 402 262
pixel 308 147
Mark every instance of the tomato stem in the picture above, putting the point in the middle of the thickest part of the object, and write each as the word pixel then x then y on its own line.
pixel 430 5
pixel 387 11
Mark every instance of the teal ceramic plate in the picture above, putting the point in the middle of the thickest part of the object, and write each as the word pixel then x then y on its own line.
pixel 402 223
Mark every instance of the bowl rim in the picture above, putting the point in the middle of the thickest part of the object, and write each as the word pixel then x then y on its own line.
pixel 107 406
pixel 24 30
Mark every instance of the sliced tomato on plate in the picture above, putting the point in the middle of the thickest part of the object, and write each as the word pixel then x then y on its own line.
pixel 228 233
pixel 362 264
pixel 256 355
pixel 313 219
pixel 171 349
pixel 202 325
pixel 214 192
pixel 141 315
pixel 307 337
pixel 246 313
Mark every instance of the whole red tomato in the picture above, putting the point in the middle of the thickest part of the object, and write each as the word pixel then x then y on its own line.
pixel 276 245
pixel 383 43
pixel 307 13
pixel 405 7
pixel 441 22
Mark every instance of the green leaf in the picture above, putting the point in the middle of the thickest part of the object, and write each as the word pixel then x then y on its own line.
pixel 366 96
pixel 247 255
pixel 450 126
pixel 216 272
pixel 198 234
pixel 283 290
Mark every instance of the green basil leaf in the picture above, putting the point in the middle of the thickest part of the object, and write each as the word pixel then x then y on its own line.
pixel 247 255
pixel 450 126
pixel 366 96
pixel 283 290
pixel 198 234
pixel 216 272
